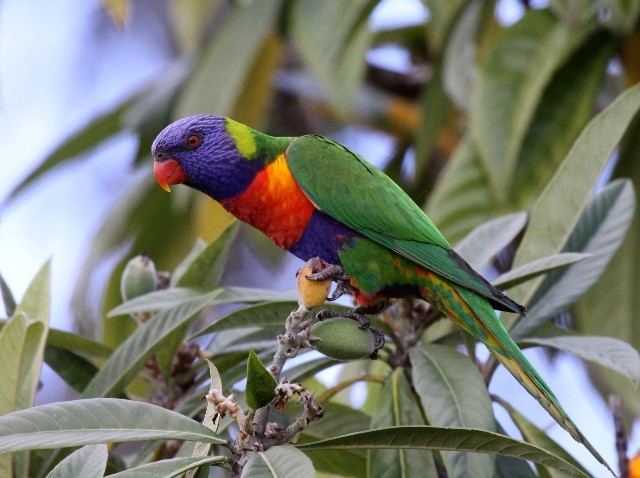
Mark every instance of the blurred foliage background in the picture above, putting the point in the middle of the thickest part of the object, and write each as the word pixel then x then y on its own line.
pixel 476 106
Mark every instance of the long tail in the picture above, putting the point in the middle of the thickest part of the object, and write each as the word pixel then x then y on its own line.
pixel 474 314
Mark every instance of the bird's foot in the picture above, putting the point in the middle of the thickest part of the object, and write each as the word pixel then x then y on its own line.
pixel 336 274
pixel 362 319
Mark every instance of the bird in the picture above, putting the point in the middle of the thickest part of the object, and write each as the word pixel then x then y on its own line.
pixel 314 197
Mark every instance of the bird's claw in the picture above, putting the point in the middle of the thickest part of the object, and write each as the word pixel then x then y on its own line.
pixel 362 319
pixel 336 274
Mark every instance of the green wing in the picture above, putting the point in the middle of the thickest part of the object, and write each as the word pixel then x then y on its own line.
pixel 351 190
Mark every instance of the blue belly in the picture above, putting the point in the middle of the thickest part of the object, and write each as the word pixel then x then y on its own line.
pixel 323 237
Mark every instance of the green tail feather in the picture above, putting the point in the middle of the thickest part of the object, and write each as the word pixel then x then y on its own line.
pixel 480 320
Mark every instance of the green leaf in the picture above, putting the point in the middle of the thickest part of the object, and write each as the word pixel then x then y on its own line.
pixel 166 299
pixel 600 232
pixel 83 141
pixel 23 366
pixel 211 418
pixel 485 241
pixel 16 347
pixel 606 351
pixel 88 462
pixel 459 65
pixel 19 338
pixel 308 369
pixel 173 467
pixel 536 268
pixel 177 296
pixel 436 108
pixel 512 81
pixel 7 297
pixel 75 370
pixel 98 420
pixel 397 405
pixel 333 38
pixel 453 394
pixel 77 343
pixel 127 360
pixel 207 268
pixel 227 59
pixel 509 467
pixel 621 299
pixel 338 419
pixel 534 435
pixel 461 199
pixel 567 194
pixel 441 15
pixel 565 108
pixel 441 438
pixel 265 314
pixel 260 383
pixel 278 462
pixel 189 19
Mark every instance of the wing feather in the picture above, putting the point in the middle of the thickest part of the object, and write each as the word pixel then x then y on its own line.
pixel 351 190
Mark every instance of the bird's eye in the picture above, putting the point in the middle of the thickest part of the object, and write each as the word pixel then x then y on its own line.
pixel 193 141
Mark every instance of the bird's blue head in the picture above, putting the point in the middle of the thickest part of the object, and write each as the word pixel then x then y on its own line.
pixel 200 152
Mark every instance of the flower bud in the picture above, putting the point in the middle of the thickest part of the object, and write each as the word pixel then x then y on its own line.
pixel 138 278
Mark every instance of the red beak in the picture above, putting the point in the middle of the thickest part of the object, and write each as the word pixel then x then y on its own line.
pixel 168 172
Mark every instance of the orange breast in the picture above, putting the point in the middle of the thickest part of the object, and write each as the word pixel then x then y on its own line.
pixel 274 204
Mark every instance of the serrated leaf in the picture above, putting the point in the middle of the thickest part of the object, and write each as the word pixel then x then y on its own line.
pixel 485 241
pixel 453 394
pixel 606 351
pixel 567 194
pixel 98 420
pixel 442 438
pixel 278 462
pixel 224 64
pixel 397 405
pixel 536 268
pixel 600 231
pixel 88 462
pixel 260 383
pixel 512 81
pixel 173 467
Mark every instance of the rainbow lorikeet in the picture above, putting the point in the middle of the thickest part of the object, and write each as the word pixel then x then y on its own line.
pixel 315 198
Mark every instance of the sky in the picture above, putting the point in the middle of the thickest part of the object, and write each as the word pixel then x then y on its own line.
pixel 63 62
